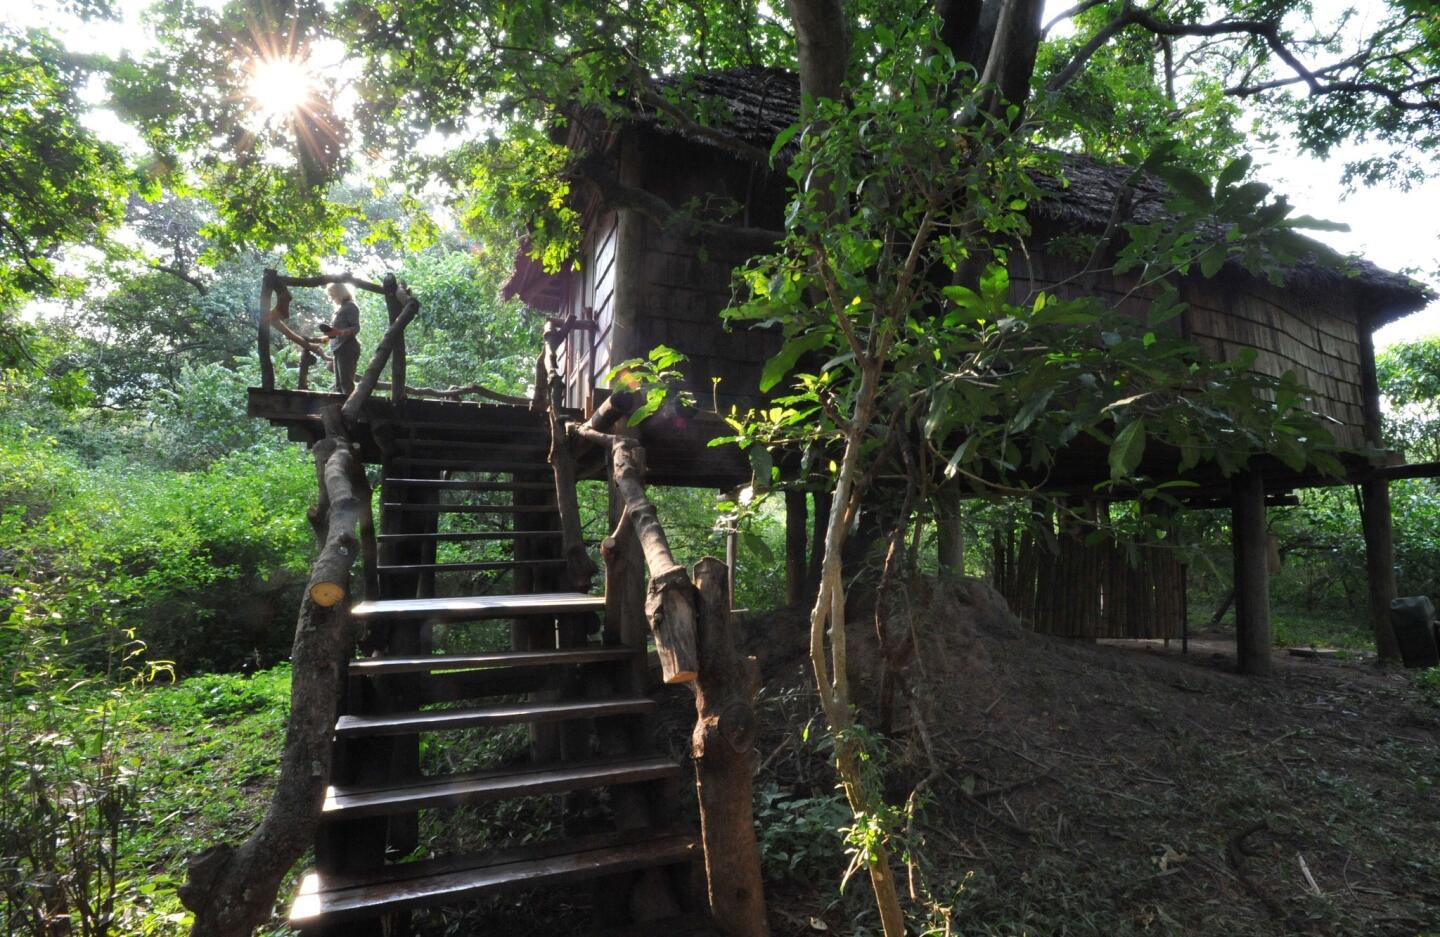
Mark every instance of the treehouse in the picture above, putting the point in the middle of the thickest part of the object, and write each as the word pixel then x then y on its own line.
pixel 475 622
pixel 647 275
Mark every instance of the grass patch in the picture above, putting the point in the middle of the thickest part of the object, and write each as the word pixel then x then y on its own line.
pixel 208 750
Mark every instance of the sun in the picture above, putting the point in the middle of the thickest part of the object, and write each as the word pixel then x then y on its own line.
pixel 278 87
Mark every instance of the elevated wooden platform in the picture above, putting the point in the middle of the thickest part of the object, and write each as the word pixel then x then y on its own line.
pixel 677 449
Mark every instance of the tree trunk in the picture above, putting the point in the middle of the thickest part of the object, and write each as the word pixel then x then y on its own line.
pixel 722 745
pixel 949 535
pixel 232 889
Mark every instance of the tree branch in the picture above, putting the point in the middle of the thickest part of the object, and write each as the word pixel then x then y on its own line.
pixel 180 274
pixel 1267 31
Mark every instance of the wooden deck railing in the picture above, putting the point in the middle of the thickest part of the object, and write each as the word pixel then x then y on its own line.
pixel 274 316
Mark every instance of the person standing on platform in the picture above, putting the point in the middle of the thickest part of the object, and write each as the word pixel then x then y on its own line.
pixel 342 332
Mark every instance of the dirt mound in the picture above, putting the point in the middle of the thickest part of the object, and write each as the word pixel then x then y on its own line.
pixel 1067 788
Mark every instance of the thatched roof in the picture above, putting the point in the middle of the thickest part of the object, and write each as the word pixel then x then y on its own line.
pixel 756 103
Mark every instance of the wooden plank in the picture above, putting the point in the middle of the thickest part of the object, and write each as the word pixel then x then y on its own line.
pixel 481 786
pixel 498 714
pixel 469 508
pixel 476 607
pixel 475 567
pixel 467 535
pixel 465 484
pixel 414 884
pixel 434 663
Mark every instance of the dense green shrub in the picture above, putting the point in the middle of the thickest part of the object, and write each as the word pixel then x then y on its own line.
pixel 204 567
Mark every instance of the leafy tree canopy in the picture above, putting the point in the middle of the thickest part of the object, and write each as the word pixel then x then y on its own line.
pixel 1109 77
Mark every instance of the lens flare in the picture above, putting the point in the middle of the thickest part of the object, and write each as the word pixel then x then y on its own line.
pixel 279 87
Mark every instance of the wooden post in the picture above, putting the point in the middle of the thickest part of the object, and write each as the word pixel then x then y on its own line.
pixel 950 539
pixel 669 603
pixel 796 535
pixel 1375 515
pixel 1252 575
pixel 723 748
pixel 393 308
pixel 267 366
pixel 1379 534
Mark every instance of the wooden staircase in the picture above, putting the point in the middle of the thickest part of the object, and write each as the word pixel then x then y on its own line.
pixel 482 684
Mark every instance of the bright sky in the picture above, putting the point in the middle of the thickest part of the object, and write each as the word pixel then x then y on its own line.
pixel 1397 230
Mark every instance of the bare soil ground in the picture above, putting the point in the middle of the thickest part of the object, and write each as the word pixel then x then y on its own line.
pixel 1073 789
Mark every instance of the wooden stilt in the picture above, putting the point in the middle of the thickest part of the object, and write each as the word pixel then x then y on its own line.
pixel 796 535
pixel 950 545
pixel 1379 564
pixel 819 519
pixel 1375 515
pixel 1252 574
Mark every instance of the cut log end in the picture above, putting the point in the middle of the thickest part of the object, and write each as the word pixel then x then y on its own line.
pixel 327 594
pixel 681 676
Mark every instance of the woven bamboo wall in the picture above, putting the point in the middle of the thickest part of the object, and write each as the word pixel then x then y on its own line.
pixel 1072 588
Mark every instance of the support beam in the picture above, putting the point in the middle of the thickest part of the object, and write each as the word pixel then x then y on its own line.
pixel 1252 575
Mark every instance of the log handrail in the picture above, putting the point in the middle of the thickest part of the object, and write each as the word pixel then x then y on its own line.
pixel 456 393
pixel 671 601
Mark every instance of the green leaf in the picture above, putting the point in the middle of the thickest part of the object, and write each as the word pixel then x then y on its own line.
pixel 1233 172
pixel 777 367
pixel 653 401
pixel 1211 261
pixel 1033 408
pixel 1127 450
pixel 782 138
pixel 756 544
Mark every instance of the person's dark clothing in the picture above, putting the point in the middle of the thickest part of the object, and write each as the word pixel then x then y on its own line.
pixel 346 350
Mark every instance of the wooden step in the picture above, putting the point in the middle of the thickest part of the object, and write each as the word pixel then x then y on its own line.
pixel 496 714
pixel 334 899
pixel 455 536
pixel 477 607
pixel 477 567
pixel 465 484
pixel 432 663
pixel 469 508
pixel 345 803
